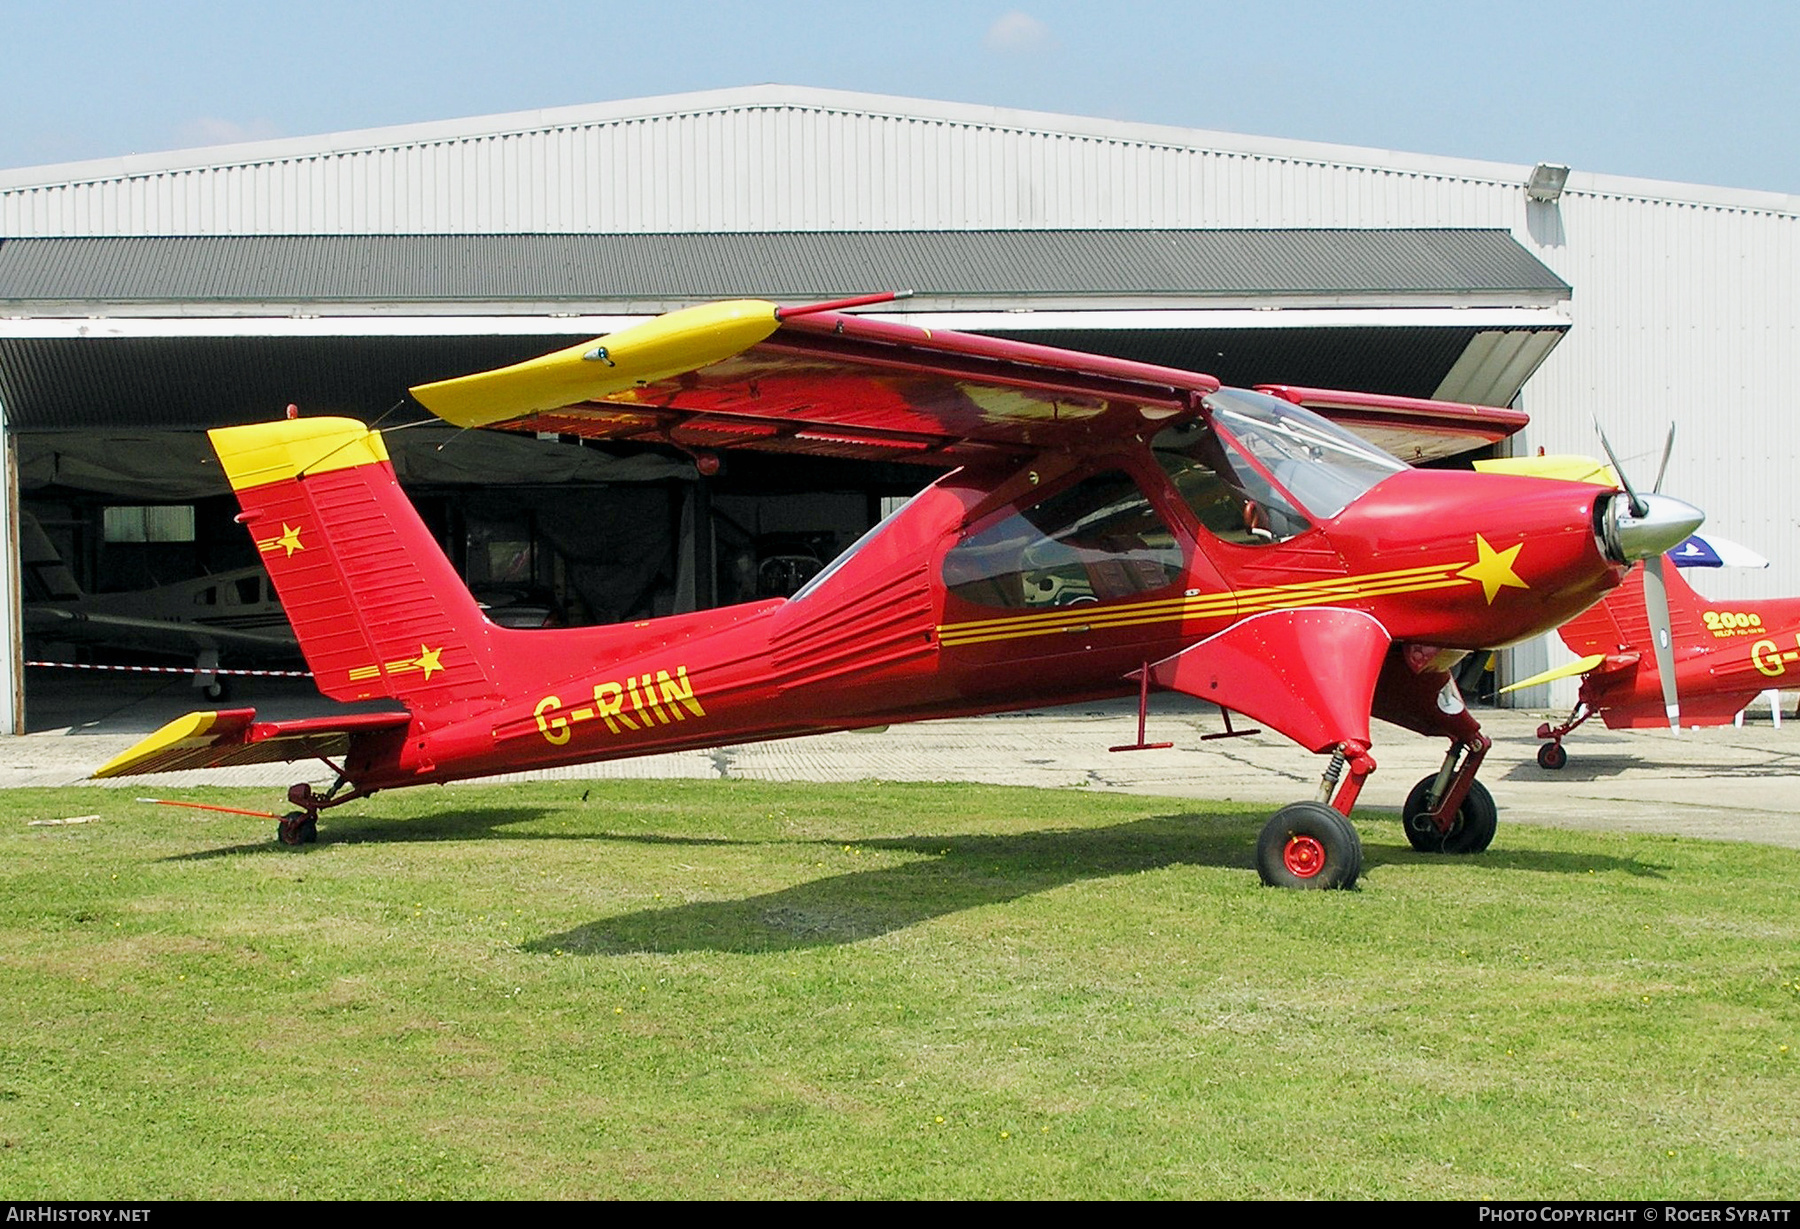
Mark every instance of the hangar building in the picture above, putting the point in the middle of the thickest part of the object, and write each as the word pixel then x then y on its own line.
pixel 146 298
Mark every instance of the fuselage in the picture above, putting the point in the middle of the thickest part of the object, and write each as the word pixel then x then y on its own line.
pixel 1725 653
pixel 1049 581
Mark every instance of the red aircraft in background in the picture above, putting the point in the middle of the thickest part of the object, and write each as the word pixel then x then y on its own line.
pixel 1106 527
pixel 1724 655
pixel 1655 654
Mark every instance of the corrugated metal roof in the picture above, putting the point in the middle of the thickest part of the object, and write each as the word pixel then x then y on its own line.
pixel 1136 264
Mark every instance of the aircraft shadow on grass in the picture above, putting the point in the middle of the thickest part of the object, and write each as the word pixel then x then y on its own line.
pixel 967 871
pixel 474 824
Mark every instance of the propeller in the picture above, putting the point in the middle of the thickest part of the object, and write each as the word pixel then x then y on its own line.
pixel 1633 541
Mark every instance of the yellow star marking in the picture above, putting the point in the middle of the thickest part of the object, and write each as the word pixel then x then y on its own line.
pixel 428 660
pixel 289 540
pixel 1494 569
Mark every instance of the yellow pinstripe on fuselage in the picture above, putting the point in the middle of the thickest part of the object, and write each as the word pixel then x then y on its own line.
pixel 1223 604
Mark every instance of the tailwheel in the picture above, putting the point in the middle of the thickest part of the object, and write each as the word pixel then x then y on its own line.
pixel 1308 845
pixel 1470 832
pixel 298 828
pixel 1552 756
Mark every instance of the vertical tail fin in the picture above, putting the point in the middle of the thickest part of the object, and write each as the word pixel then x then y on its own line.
pixel 1620 621
pixel 377 607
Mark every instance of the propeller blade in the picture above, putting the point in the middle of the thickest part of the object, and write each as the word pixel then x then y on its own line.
pixel 1656 607
pixel 1638 507
pixel 1668 447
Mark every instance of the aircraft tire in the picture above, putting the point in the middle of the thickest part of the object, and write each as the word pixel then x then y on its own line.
pixel 1471 832
pixel 298 828
pixel 1552 756
pixel 1308 845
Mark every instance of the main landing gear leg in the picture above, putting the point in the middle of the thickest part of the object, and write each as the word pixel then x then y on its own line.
pixel 1450 811
pixel 1553 755
pixel 1313 844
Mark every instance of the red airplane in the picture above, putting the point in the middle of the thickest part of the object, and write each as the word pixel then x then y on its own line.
pixel 1106 527
pixel 1724 654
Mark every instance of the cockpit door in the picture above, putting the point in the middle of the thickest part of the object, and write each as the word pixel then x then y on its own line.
pixel 1092 573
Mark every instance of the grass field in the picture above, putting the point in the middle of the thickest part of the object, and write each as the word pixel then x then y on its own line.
pixel 704 989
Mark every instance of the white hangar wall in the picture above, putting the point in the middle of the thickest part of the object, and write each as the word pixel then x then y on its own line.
pixel 763 158
pixel 1685 310
pixel 1684 305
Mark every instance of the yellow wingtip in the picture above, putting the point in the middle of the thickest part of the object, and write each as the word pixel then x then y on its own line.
pixel 1567 468
pixel 191 732
pixel 671 344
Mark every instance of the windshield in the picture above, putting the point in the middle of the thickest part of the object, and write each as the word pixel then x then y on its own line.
pixel 1259 469
pixel 1320 464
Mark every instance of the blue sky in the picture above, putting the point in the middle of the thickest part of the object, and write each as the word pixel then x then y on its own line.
pixel 1703 93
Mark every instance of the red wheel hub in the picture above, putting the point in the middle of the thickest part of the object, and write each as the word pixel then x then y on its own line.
pixel 1304 856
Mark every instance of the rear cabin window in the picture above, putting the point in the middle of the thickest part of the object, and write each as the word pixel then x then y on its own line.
pixel 1096 541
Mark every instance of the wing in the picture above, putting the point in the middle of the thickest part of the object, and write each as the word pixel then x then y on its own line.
pixel 747 374
pixel 1414 429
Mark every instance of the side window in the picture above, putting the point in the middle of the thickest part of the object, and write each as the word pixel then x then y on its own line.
pixel 1097 541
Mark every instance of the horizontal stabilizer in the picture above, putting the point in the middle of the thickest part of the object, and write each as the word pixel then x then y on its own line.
pixel 234 736
pixel 1573 668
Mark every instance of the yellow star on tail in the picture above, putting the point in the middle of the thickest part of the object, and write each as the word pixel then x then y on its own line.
pixel 428 660
pixel 289 541
pixel 1494 568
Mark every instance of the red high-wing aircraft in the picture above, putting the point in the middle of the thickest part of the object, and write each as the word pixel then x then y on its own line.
pixel 1110 526
pixel 1724 655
